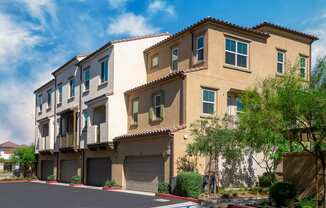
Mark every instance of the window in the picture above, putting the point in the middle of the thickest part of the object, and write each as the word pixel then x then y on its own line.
pixel 174 59
pixel 72 87
pixel 239 104
pixel 86 116
pixel 86 79
pixel 135 110
pixel 104 71
pixel 155 61
pixel 208 100
pixel 49 98
pixel 303 66
pixel 200 48
pixel 236 53
pixel 280 62
pixel 157 108
pixel 60 93
pixel 39 102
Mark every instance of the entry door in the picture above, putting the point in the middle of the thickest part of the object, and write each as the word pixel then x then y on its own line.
pixel 98 171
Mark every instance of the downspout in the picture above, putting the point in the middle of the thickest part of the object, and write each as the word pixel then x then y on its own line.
pixel 80 123
pixel 55 126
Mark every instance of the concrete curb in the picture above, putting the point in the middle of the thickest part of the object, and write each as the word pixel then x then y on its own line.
pixel 171 196
pixel 15 181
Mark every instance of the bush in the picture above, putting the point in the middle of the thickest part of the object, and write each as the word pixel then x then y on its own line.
pixel 189 184
pixel 266 180
pixel 307 203
pixel 163 188
pixel 50 178
pixel 110 183
pixel 282 194
pixel 75 179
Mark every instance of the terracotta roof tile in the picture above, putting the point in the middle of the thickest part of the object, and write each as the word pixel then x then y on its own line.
pixel 257 27
pixel 9 144
pixel 162 131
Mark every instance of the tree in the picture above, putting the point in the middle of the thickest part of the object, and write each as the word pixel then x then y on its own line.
pixel 287 112
pixel 25 157
pixel 213 138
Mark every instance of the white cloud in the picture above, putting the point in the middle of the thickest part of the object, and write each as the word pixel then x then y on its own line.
pixel 14 39
pixel 130 24
pixel 161 6
pixel 116 4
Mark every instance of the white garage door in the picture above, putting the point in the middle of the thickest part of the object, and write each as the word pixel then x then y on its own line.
pixel 144 173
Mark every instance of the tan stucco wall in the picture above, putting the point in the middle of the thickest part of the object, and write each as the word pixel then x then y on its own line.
pixel 146 146
pixel 172 89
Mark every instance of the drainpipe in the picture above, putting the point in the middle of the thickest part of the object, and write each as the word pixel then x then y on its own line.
pixel 55 126
pixel 80 123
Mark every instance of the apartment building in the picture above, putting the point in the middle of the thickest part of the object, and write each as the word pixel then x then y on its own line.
pixel 139 97
pixel 89 110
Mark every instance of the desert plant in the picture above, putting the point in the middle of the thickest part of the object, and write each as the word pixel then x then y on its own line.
pixel 283 194
pixel 110 183
pixel 50 177
pixel 75 179
pixel 163 188
pixel 189 184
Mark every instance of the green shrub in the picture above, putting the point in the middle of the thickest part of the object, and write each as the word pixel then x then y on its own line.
pixel 307 203
pixel 163 188
pixel 266 180
pixel 282 194
pixel 50 178
pixel 110 183
pixel 75 179
pixel 189 184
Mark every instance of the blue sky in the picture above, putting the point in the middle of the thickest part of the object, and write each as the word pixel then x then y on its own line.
pixel 37 36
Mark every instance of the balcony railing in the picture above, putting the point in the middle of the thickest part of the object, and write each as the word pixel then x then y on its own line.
pixel 67 141
pixel 44 143
pixel 97 134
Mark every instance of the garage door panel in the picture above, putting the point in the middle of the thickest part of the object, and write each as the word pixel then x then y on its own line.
pixel 144 173
pixel 98 171
pixel 69 168
pixel 46 169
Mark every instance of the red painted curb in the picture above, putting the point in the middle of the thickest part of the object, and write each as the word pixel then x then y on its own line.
pixel 109 188
pixel 15 181
pixel 162 195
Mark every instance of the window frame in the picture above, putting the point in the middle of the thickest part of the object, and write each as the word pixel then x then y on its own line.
pixel 209 102
pixel 72 89
pixel 280 62
pixel 156 56
pixel 40 103
pixel 133 113
pixel 198 49
pixel 304 67
pixel 155 106
pixel 60 93
pixel 236 53
pixel 85 117
pixel 86 71
pixel 49 98
pixel 237 100
pixel 104 79
pixel 174 60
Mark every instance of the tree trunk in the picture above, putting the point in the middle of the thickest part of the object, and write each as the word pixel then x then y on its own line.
pixel 217 174
pixel 209 174
pixel 316 182
pixel 323 164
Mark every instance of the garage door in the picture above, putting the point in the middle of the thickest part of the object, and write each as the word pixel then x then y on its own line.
pixel 69 168
pixel 98 171
pixel 46 169
pixel 144 173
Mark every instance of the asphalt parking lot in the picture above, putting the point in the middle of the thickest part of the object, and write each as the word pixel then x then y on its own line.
pixel 34 195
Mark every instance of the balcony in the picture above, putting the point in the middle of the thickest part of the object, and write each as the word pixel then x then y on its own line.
pixel 67 141
pixel 97 134
pixel 44 144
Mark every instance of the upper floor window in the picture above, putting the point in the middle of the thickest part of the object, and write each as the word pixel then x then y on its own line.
pixel 236 53
pixel 49 92
pixel 72 87
pixel 208 100
pixel 60 88
pixel 39 102
pixel 156 111
pixel 104 71
pixel 135 110
pixel 200 48
pixel 174 59
pixel 303 66
pixel 86 79
pixel 239 104
pixel 154 61
pixel 86 116
pixel 280 62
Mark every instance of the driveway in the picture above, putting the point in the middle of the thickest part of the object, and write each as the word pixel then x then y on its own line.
pixel 34 195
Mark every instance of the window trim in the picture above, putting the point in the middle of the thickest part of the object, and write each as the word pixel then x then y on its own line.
pixel 279 62
pixel 158 61
pixel 85 123
pixel 305 67
pixel 40 103
pixel 157 106
pixel 72 80
pixel 197 49
pixel 236 53
pixel 86 80
pixel 177 59
pixel 210 102
pixel 102 81
pixel 49 98
pixel 60 92
pixel 134 122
